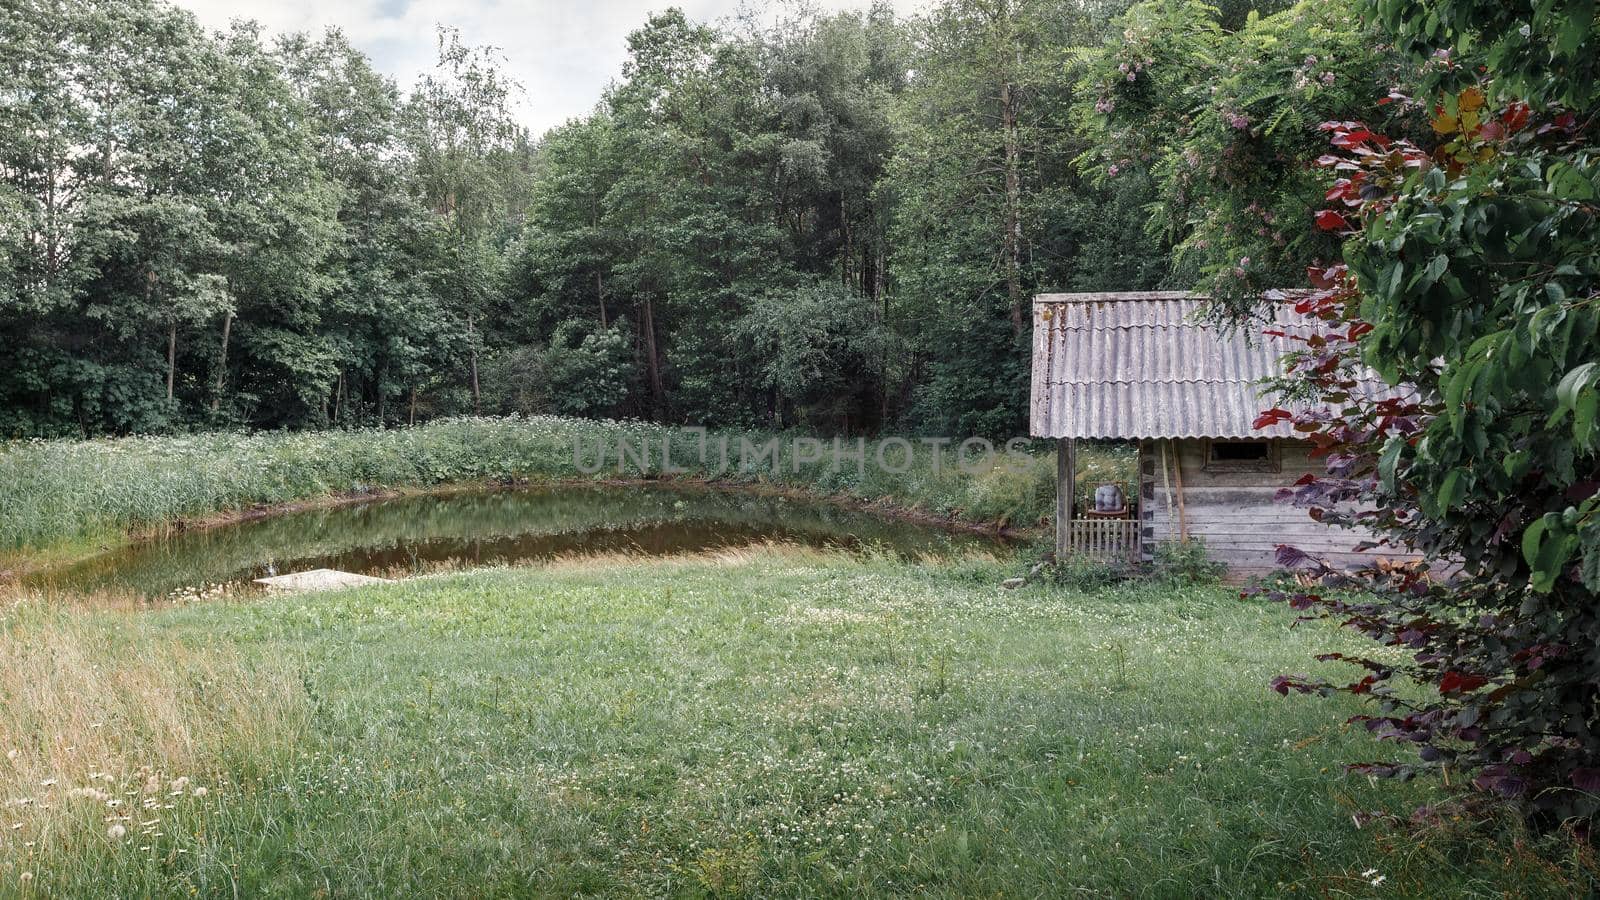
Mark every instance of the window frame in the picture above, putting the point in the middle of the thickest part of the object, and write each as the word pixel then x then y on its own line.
pixel 1272 463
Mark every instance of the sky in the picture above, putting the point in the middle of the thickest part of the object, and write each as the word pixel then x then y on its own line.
pixel 563 53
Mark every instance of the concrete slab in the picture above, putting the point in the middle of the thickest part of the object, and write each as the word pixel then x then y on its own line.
pixel 318 580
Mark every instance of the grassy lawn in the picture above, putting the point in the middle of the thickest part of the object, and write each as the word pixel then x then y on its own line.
pixel 763 723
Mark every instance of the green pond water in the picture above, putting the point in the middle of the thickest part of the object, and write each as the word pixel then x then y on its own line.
pixel 409 535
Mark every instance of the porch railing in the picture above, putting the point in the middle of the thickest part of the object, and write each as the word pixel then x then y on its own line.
pixel 1105 539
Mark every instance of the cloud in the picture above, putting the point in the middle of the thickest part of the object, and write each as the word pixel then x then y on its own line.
pixel 563 53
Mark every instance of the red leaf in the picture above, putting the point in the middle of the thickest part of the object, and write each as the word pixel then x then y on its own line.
pixel 1456 682
pixel 1324 279
pixel 1329 220
pixel 1515 118
pixel 1583 490
pixel 1271 417
pixel 1353 138
pixel 1563 122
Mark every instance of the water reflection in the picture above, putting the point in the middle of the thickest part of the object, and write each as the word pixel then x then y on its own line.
pixel 414 534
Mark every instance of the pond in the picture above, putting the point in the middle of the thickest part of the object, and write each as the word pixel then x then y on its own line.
pixel 406 535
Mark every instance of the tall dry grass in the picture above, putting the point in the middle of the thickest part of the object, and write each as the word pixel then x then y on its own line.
pixel 109 738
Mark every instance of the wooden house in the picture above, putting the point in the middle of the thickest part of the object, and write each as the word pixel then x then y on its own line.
pixel 1142 368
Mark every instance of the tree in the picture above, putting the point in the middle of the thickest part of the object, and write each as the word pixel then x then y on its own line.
pixel 468 154
pixel 815 344
pixel 1473 277
pixel 150 201
pixel 988 206
pixel 381 317
pixel 1223 122
pixel 202 230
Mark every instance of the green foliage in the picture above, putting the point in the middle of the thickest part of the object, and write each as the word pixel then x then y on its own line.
pixel 1482 276
pixel 985 146
pixel 1186 561
pixel 1491 270
pixel 1086 573
pixel 813 345
pixel 759 225
pixel 1539 51
pixel 211 231
pixel 587 373
pixel 1474 283
pixel 1224 122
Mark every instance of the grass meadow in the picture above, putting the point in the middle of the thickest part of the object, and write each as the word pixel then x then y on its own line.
pixel 765 723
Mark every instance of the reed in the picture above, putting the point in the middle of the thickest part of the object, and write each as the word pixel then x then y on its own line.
pixel 55 493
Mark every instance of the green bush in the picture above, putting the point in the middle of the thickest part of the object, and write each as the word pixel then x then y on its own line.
pixel 1088 573
pixel 1186 561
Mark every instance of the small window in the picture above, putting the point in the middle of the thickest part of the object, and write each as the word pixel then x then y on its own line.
pixel 1242 456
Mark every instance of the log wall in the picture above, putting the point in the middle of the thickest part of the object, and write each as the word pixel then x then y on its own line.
pixel 1234 511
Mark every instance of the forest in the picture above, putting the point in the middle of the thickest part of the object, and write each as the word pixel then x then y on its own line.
pixel 826 221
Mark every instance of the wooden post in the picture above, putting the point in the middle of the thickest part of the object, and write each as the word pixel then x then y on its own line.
pixel 1166 482
pixel 1177 474
pixel 1066 475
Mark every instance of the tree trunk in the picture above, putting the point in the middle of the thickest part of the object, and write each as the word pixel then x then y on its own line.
pixel 52 249
pixel 472 342
pixel 848 256
pixel 882 298
pixel 652 357
pixel 380 383
pixel 413 419
pixel 599 284
pixel 1013 206
pixel 222 363
pixel 172 356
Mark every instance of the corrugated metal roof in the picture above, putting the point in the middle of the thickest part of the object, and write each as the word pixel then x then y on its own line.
pixel 1140 365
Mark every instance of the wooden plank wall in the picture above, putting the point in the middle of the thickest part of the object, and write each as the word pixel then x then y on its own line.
pixel 1234 512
